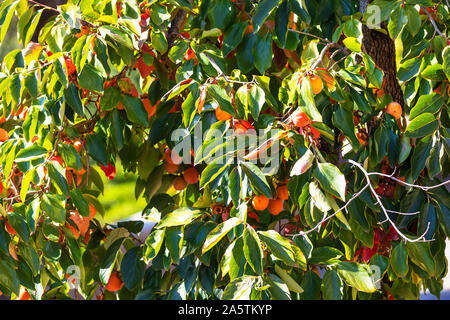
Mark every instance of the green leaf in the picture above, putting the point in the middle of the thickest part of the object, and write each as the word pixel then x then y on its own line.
pixel 331 179
pixel 72 97
pixel 429 103
pixel 221 13
pixel 288 280
pixel 303 164
pixel 96 147
pixel 278 289
pixel 26 181
pixel 70 156
pixel 90 79
pixel 419 158
pixel 318 197
pixel 19 224
pixel 257 179
pixel 239 288
pixel 356 276
pixel 153 243
pixel 420 255
pixel 80 203
pixel 325 256
pixel 252 249
pixel 133 268
pixel 223 99
pixel 262 11
pixel 343 119
pixel 31 153
pixel 233 36
pixel 219 232
pixel 446 61
pixel 8 277
pixel 279 246
pixel 7 20
pixel 262 53
pixel 311 284
pixel 111 97
pixel 397 22
pixel 282 22
pixel 179 217
pixel 135 110
pixel 256 99
pixel 30 256
pixel 244 53
pixel 409 69
pixel 159 41
pixel 215 169
pixel 173 242
pixel 58 178
pixel 414 21
pixel 422 125
pixel 54 206
pixel 353 44
pixel 107 264
pixel 434 72
pixel 399 260
pixel 332 286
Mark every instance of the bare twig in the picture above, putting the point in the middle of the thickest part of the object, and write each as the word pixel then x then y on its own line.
pixel 323 53
pixel 378 200
pixel 215 66
pixel 311 35
pixel 424 188
pixel 434 23
pixel 383 209
pixel 56 10
pixel 334 214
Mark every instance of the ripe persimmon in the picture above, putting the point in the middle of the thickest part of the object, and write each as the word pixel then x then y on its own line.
pixel 3 135
pixel 260 202
pixel 300 119
pixel 172 157
pixel 275 206
pixel 282 192
pixel 316 83
pixel 171 167
pixel 179 183
pixel 114 283
pixel 394 109
pixel 222 115
pixel 191 175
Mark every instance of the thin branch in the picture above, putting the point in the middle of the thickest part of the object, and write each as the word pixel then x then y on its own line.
pixel 339 61
pixel 323 53
pixel 434 23
pixel 56 10
pixel 311 35
pixel 403 213
pixel 424 188
pixel 383 209
pixel 334 214
pixel 215 66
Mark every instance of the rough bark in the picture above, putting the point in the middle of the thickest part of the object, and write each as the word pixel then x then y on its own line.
pixel 381 48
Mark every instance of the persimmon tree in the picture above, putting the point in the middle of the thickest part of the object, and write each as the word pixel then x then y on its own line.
pixel 286 149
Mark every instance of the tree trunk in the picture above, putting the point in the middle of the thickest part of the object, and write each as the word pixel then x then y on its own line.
pixel 381 48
